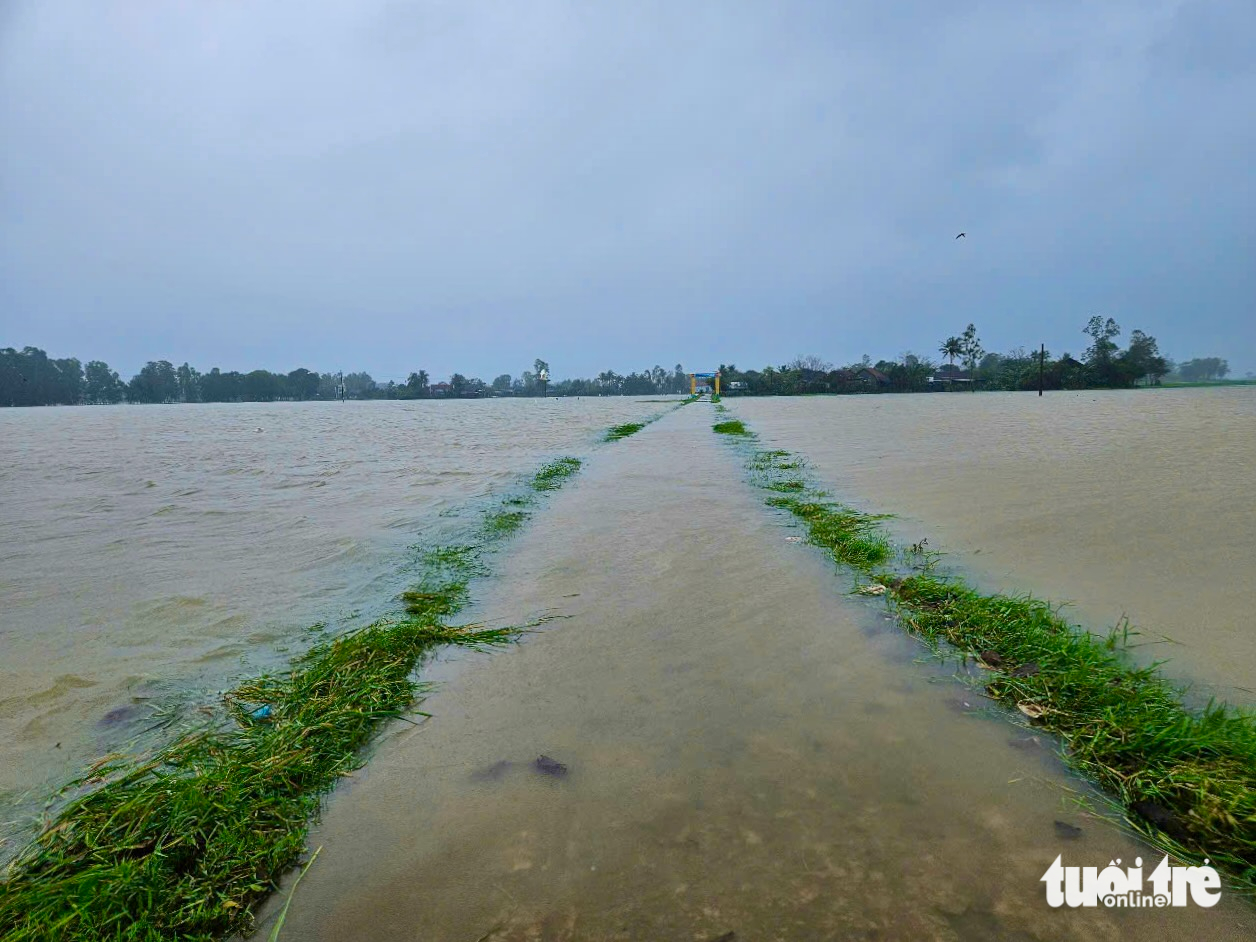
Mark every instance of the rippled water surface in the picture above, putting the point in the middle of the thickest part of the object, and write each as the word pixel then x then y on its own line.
pixel 744 747
pixel 750 753
pixel 1138 503
pixel 152 553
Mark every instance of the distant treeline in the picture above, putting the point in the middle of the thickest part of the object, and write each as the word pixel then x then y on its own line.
pixel 1103 365
pixel 29 377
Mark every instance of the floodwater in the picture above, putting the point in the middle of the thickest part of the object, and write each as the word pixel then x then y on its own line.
pixel 1136 503
pixel 150 555
pixel 748 750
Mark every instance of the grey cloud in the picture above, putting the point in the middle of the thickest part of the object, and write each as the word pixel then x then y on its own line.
pixel 390 186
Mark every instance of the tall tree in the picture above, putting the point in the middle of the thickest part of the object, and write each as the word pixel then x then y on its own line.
pixel 609 381
pixel 1203 369
pixel 101 384
pixel 359 385
pixel 156 382
pixel 303 384
pixel 1142 360
pixel 1101 353
pixel 680 379
pixel 811 362
pixel 69 383
pixel 31 377
pixel 972 351
pixel 217 386
pixel 189 383
pixel 417 384
pixel 951 348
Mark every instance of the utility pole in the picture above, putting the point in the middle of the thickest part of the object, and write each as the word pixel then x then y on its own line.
pixel 1042 358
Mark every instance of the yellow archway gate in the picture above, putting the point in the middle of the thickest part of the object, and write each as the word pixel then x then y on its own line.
pixel 693 382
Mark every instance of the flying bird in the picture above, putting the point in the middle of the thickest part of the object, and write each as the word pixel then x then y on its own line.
pixel 962 235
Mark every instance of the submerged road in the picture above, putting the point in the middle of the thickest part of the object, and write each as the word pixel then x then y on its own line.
pixel 746 750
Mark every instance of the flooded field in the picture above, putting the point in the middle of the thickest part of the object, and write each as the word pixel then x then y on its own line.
pixel 707 738
pixel 1134 503
pixel 735 750
pixel 147 555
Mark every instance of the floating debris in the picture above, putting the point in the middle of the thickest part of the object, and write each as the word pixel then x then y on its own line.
pixel 1032 710
pixel 262 714
pixel 874 588
pixel 991 659
pixel 119 715
pixel 550 766
pixel 793 539
pixel 1070 832
pixel 494 772
pixel 1162 818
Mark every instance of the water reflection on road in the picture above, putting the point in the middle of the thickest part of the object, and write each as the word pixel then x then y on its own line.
pixel 748 751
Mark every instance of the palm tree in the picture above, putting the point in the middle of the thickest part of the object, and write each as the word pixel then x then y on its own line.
pixel 951 348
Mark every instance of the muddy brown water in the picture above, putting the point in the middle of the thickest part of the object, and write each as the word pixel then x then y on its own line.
pixel 150 555
pixel 1138 504
pixel 748 750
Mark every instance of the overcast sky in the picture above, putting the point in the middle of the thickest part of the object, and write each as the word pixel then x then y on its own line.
pixel 467 186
